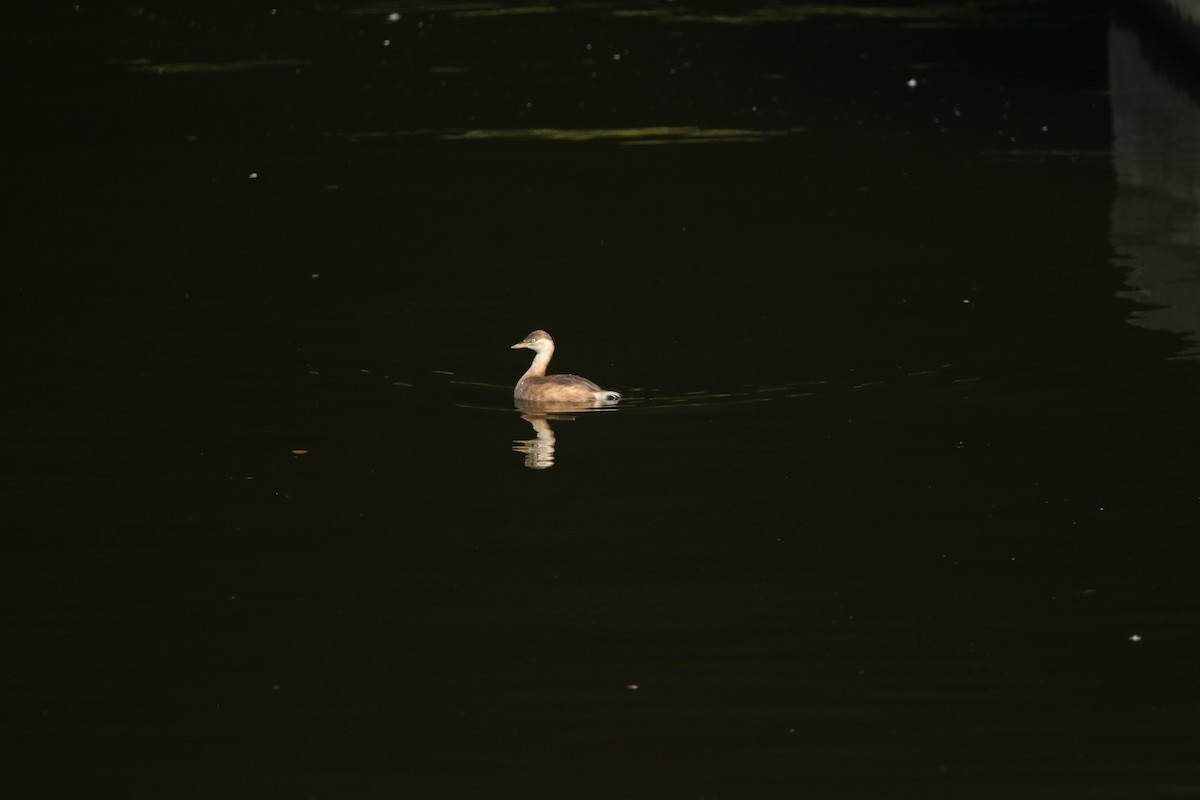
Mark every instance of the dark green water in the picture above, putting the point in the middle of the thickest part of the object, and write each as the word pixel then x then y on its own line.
pixel 900 503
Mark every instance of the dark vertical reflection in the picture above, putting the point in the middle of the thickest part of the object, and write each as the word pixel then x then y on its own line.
pixel 1156 154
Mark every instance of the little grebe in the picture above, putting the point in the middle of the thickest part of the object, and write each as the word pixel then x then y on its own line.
pixel 536 386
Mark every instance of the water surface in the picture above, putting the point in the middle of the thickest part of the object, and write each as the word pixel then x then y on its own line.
pixel 899 501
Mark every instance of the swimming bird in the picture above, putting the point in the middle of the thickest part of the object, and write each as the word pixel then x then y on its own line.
pixel 536 386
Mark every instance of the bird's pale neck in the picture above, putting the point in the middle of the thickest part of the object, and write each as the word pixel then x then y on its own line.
pixel 540 361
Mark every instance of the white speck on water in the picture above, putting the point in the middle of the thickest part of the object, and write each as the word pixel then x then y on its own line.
pixel 911 83
pixel 633 687
pixel 253 175
pixel 1137 637
pixel 393 17
pixel 387 42
pixel 616 56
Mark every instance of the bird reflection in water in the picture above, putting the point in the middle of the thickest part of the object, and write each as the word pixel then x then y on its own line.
pixel 539 451
pixel 542 398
